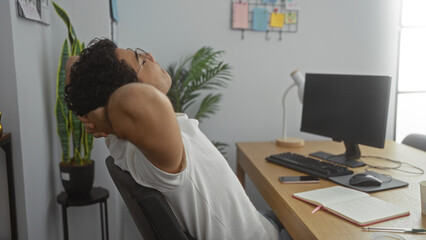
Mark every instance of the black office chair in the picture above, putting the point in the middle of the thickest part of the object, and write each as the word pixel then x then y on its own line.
pixel 148 207
pixel 415 140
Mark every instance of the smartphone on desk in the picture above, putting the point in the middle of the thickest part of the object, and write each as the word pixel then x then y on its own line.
pixel 298 179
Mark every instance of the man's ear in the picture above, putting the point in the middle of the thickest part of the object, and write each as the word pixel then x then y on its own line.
pixel 70 62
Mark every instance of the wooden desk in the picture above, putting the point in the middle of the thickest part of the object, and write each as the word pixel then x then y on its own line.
pixel 296 215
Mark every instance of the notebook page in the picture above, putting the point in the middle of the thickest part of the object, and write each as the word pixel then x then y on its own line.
pixel 326 196
pixel 366 210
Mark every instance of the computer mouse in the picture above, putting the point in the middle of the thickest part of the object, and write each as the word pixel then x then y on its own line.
pixel 364 179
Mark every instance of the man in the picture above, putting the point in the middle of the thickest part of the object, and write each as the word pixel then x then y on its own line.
pixel 121 94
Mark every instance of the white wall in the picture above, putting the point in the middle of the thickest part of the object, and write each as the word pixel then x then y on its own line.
pixel 28 66
pixel 334 36
pixel 10 117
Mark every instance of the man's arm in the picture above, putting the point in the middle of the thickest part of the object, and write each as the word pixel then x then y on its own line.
pixel 144 116
pixel 94 121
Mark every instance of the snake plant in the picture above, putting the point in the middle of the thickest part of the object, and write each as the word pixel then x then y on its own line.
pixel 194 75
pixel 68 125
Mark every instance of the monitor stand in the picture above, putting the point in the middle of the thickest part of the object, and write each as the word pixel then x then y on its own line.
pixel 349 158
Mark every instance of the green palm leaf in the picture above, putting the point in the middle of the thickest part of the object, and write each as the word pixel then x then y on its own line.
pixel 205 73
pixel 208 106
pixel 192 77
pixel 221 146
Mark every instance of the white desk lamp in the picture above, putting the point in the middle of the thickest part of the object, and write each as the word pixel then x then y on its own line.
pixel 299 81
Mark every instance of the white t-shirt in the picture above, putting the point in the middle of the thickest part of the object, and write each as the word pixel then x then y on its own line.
pixel 205 196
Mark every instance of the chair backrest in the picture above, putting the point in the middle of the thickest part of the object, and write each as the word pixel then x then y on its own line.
pixel 415 140
pixel 148 207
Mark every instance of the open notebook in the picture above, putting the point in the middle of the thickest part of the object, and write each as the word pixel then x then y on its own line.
pixel 352 205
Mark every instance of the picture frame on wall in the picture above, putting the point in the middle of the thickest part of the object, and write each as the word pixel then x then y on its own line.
pixel 34 10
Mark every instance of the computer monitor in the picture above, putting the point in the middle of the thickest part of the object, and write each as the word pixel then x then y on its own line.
pixel 348 108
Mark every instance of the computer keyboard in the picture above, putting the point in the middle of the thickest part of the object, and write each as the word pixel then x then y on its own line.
pixel 309 165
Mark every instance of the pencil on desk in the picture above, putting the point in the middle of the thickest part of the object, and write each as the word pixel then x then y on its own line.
pixel 317 209
pixel 389 229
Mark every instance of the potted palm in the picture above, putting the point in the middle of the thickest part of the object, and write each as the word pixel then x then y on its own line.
pixel 196 74
pixel 76 167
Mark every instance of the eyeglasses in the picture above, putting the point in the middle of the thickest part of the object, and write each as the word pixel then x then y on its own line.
pixel 141 54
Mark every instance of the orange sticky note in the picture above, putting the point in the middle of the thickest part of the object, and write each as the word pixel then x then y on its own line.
pixel 277 20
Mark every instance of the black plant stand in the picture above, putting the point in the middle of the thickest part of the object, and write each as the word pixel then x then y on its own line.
pixel 96 195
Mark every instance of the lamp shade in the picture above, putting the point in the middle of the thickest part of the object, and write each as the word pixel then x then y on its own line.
pixel 299 79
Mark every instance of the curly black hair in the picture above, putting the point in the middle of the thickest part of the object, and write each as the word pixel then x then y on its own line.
pixel 95 76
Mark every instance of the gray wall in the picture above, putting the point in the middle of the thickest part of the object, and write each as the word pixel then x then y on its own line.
pixel 9 109
pixel 334 37
pixel 28 66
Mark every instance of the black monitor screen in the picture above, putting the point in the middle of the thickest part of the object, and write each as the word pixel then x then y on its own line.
pixel 349 108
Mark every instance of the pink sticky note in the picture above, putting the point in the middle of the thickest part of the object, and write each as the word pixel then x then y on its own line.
pixel 240 15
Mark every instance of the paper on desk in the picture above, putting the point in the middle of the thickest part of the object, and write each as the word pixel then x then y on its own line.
pixel 366 210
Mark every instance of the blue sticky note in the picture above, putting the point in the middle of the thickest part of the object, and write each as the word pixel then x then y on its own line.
pixel 260 19
pixel 269 1
pixel 114 10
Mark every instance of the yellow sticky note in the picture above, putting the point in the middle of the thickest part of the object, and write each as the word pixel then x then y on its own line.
pixel 290 18
pixel 277 20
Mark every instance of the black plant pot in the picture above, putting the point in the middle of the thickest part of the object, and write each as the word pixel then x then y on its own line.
pixel 77 180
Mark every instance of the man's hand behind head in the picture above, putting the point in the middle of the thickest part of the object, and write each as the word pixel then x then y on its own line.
pixel 96 123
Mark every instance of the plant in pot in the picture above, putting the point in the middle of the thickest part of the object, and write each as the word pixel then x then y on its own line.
pixel 195 75
pixel 77 170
